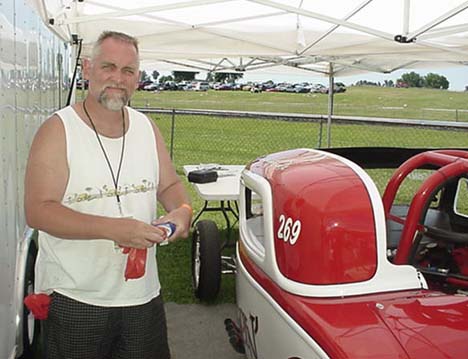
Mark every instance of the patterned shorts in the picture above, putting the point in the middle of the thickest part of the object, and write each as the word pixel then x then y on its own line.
pixel 82 331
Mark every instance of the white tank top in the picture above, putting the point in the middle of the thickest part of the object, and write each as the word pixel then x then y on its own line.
pixel 92 271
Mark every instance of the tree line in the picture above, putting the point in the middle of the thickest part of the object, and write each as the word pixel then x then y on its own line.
pixel 431 80
pixel 409 79
pixel 178 76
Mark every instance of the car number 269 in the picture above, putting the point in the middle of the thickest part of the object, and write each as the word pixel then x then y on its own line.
pixel 289 230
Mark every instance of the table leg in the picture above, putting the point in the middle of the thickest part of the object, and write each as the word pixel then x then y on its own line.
pixel 205 206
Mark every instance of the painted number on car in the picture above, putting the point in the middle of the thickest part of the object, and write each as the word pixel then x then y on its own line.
pixel 289 230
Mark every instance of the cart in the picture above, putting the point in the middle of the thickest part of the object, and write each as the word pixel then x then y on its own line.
pixel 208 261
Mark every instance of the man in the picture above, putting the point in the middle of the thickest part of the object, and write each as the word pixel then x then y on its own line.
pixel 95 173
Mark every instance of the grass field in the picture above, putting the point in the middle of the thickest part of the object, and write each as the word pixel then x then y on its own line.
pixel 208 140
pixel 368 101
pixel 356 101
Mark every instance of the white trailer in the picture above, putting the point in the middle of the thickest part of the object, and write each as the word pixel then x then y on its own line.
pixel 34 68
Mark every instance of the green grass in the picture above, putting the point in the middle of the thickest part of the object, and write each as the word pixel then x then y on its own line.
pixel 174 263
pixel 202 139
pixel 356 101
pixel 412 103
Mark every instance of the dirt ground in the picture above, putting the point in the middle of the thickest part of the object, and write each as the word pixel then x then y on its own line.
pixel 197 331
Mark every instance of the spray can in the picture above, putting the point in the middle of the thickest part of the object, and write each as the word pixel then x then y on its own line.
pixel 170 228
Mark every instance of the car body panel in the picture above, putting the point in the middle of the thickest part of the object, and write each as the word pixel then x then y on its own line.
pixel 403 324
pixel 321 218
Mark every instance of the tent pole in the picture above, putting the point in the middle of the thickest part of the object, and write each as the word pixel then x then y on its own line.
pixel 406 15
pixel 330 103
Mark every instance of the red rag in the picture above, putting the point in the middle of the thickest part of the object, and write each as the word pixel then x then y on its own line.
pixel 136 263
pixel 38 304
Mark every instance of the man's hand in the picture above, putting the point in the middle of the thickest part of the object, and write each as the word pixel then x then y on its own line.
pixel 182 218
pixel 132 233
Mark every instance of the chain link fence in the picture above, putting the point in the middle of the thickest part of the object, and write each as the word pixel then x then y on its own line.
pixel 230 137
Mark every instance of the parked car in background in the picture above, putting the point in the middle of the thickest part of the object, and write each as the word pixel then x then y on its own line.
pixel 401 84
pixel 224 87
pixel 338 87
pixel 82 84
pixel 302 88
pixel 143 84
pixel 184 86
pixel 341 85
pixel 289 88
pixel 152 86
pixel 268 85
pixel 201 86
pixel 316 88
pixel 256 89
pixel 168 86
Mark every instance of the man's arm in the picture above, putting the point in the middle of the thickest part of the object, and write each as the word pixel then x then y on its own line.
pixel 45 184
pixel 171 191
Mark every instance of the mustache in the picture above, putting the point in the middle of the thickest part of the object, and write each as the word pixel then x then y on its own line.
pixel 115 86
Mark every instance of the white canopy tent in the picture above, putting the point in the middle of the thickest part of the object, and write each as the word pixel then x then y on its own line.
pixel 327 37
pixel 240 35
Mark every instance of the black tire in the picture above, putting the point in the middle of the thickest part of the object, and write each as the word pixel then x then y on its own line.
pixel 206 260
pixel 31 327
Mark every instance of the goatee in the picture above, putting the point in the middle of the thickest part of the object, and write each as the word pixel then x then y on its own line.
pixel 113 103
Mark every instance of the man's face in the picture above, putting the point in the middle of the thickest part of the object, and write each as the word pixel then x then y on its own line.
pixel 113 74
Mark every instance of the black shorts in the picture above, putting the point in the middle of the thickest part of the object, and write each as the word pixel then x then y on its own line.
pixel 82 331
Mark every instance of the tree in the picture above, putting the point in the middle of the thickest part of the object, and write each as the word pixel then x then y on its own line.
pixel 227 76
pixel 155 74
pixel 144 76
pixel 436 81
pixel 366 83
pixel 413 79
pixel 184 75
pixel 209 77
pixel 164 79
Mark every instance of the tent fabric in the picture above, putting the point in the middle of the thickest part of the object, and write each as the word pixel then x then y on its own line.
pixel 238 35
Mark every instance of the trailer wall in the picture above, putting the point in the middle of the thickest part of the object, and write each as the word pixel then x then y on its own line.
pixel 33 64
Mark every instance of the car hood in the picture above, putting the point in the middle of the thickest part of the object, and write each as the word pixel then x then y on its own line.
pixel 408 324
pixel 435 324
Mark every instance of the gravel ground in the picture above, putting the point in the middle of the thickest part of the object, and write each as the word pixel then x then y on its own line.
pixel 197 331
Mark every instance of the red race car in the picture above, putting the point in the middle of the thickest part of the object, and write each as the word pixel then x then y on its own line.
pixel 329 268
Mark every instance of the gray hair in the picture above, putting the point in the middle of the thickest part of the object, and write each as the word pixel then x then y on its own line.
pixel 120 36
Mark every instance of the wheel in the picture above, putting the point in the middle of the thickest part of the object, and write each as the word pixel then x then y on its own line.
pixel 31 326
pixel 206 260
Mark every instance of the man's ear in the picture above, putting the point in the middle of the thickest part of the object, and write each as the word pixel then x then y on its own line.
pixel 86 67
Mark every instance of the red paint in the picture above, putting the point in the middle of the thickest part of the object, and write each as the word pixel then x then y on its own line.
pixel 337 242
pixel 406 324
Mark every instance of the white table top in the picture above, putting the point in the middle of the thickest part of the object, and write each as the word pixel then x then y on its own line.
pixel 226 188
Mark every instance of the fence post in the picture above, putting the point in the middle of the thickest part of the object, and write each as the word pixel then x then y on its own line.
pixel 456 115
pixel 331 88
pixel 172 134
pixel 319 145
